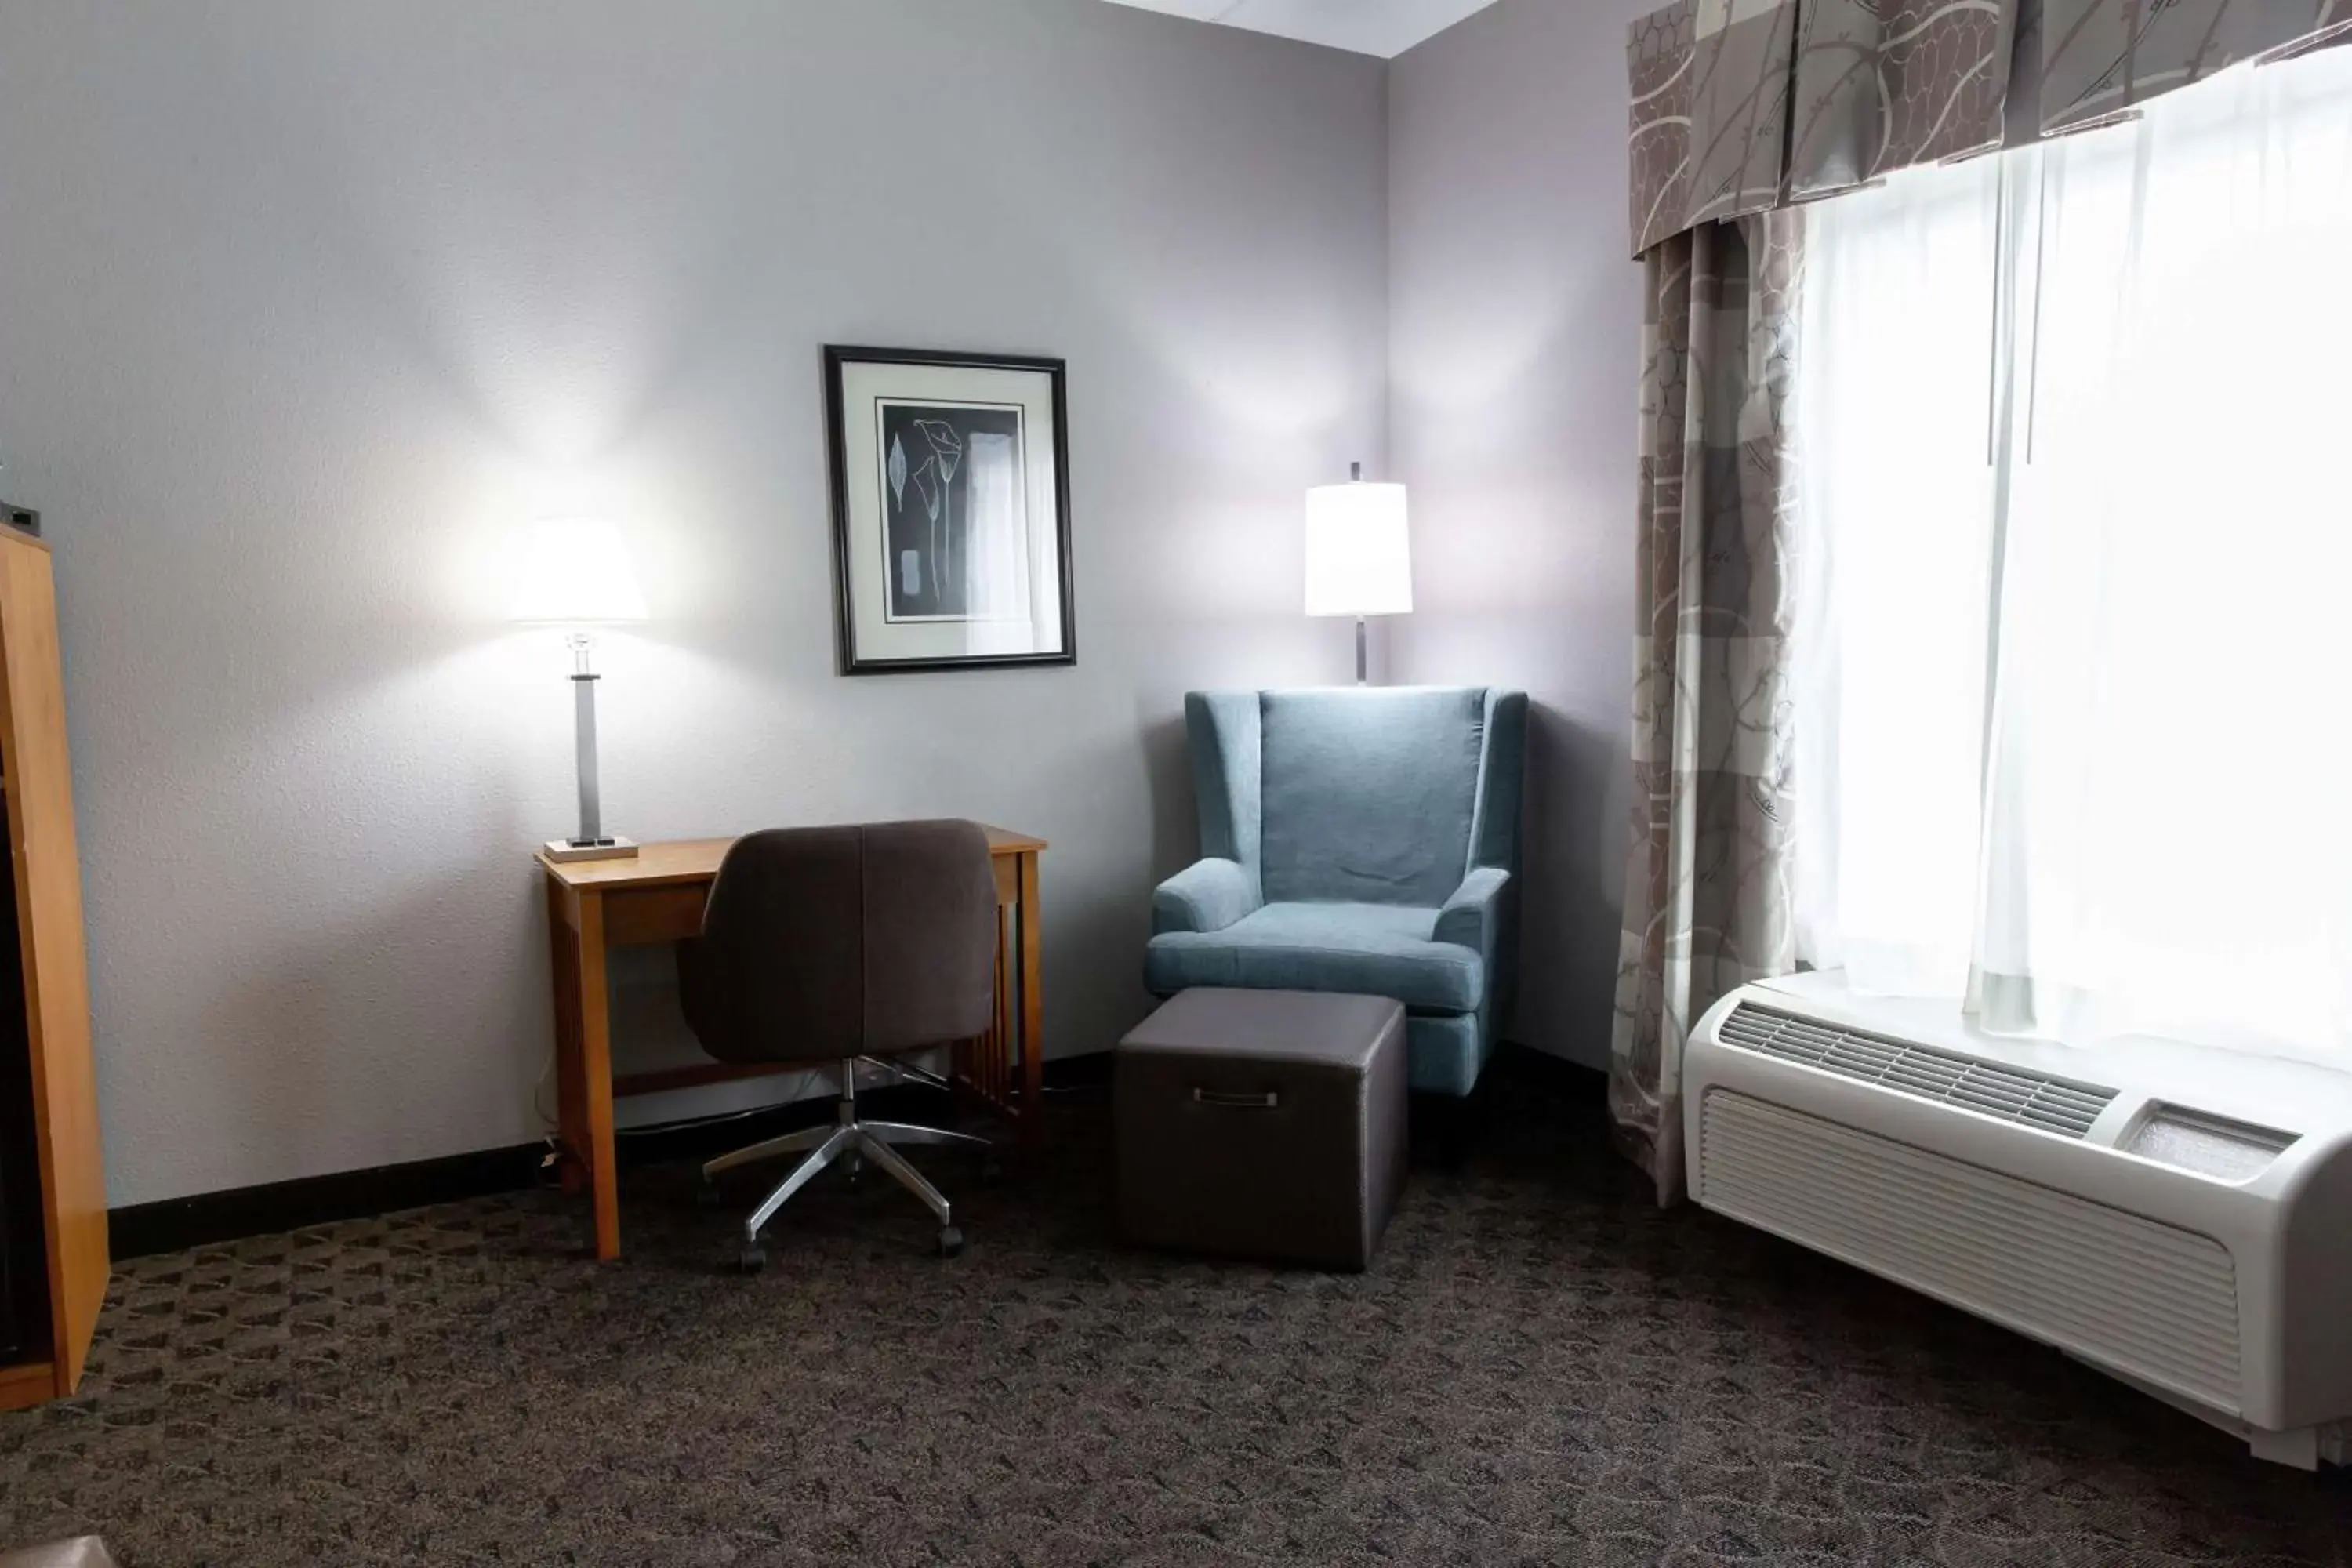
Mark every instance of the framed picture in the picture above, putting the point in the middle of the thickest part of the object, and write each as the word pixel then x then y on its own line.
pixel 950 509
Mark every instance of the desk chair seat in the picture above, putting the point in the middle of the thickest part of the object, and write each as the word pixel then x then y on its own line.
pixel 824 945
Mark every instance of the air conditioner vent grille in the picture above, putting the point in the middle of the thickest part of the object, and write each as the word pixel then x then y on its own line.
pixel 2009 1094
pixel 2152 1300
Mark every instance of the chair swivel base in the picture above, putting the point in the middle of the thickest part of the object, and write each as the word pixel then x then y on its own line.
pixel 851 1142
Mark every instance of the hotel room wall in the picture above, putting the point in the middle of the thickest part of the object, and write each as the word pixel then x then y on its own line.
pixel 303 310
pixel 1515 346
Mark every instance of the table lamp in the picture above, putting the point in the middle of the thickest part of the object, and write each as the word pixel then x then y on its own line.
pixel 1359 557
pixel 576 573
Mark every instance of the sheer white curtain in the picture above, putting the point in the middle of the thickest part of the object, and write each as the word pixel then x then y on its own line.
pixel 1895 523
pixel 2076 740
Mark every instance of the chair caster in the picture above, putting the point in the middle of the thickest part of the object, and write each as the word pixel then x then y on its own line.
pixel 852 1167
pixel 750 1260
pixel 951 1242
pixel 706 1194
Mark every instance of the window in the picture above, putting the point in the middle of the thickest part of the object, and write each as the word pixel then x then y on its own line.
pixel 2075 683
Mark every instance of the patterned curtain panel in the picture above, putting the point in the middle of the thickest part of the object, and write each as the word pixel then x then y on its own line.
pixel 1708 890
pixel 1740 106
pixel 2100 57
pixel 1882 85
pixel 1709 131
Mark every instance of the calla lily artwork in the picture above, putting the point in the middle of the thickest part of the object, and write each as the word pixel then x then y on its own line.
pixel 952 518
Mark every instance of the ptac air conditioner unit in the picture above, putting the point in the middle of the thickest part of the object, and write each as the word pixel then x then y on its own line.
pixel 2178 1216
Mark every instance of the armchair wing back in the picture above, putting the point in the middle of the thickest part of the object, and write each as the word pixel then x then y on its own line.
pixel 1356 839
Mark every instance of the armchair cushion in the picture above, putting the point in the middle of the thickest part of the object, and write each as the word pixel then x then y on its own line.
pixel 1208 895
pixel 1377 950
pixel 1368 794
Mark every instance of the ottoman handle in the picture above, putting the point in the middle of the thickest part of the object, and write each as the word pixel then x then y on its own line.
pixel 1266 1101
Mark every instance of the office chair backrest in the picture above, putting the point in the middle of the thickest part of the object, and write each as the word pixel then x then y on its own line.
pixel 824 942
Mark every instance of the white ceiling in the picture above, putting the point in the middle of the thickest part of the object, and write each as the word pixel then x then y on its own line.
pixel 1382 28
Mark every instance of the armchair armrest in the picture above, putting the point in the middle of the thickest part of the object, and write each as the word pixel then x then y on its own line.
pixel 1473 917
pixel 1207 894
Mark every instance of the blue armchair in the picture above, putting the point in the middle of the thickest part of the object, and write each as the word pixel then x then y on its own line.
pixel 1357 838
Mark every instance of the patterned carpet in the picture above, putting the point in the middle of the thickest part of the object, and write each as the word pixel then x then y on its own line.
pixel 1540 1368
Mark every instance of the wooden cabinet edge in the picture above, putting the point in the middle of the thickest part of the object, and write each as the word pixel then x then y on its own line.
pixel 45 866
pixel 27 1384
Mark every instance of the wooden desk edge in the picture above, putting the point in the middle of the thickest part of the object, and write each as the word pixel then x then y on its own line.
pixel 697 860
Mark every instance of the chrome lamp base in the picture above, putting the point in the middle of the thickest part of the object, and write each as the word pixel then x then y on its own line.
pixel 592 842
pixel 560 850
pixel 852 1141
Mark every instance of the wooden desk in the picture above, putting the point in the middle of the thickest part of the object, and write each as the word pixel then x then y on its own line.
pixel 658 896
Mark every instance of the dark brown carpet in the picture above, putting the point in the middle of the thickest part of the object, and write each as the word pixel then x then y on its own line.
pixel 1541 1368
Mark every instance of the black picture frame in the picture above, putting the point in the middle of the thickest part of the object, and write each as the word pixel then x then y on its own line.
pixel 852 660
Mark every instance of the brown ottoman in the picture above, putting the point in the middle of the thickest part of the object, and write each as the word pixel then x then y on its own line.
pixel 1266 1124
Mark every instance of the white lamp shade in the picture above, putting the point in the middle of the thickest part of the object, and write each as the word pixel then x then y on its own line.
pixel 1359 556
pixel 576 571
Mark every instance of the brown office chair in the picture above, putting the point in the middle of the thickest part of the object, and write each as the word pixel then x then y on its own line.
pixel 827 944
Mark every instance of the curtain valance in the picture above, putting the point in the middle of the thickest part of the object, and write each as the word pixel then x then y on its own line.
pixel 1743 105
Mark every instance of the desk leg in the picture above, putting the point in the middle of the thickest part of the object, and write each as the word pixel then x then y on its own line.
pixel 1032 1011
pixel 571 1083
pixel 583 1059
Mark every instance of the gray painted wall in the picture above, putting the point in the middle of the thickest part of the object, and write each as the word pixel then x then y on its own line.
pixel 303 308
pixel 1515 336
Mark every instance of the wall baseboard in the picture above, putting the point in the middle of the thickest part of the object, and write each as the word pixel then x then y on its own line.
pixel 173 1224
pixel 1567 1074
